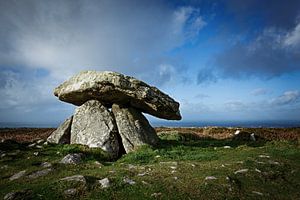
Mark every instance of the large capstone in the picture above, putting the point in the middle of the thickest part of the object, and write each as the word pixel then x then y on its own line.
pixel 111 87
pixel 94 125
pixel 133 127
pixel 62 134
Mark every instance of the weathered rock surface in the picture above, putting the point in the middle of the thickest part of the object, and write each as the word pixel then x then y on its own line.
pixel 133 127
pixel 105 183
pixel 17 175
pixel 111 87
pixel 76 178
pixel 62 134
pixel 19 195
pixel 94 125
pixel 74 158
pixel 40 173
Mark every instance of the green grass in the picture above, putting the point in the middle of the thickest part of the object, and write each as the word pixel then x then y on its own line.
pixel 175 169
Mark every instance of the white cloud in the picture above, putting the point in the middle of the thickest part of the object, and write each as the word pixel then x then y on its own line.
pixel 259 91
pixel 65 37
pixel 293 38
pixel 287 98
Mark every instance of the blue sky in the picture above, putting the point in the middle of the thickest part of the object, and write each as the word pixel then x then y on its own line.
pixel 222 60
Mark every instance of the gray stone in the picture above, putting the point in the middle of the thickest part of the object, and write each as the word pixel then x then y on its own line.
pixel 111 87
pixel 62 134
pixel 241 171
pixel 40 141
pixel 76 178
pixel 129 181
pixel 94 125
pixel 46 164
pixel 17 175
pixel 70 192
pixel 40 173
pixel 105 183
pixel 133 127
pixel 19 195
pixel 210 178
pixel 74 158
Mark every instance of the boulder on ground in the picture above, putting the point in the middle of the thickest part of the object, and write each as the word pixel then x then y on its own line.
pixel 133 127
pixel 111 87
pixel 62 134
pixel 94 125
pixel 74 158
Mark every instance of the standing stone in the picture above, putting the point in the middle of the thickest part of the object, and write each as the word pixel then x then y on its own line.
pixel 94 125
pixel 62 134
pixel 133 127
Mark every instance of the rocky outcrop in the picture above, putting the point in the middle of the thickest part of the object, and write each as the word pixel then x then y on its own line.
pixel 94 125
pixel 111 87
pixel 62 134
pixel 133 127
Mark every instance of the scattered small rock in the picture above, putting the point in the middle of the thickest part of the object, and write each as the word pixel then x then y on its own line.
pixel 264 156
pixel 258 193
pixel 3 155
pixel 129 181
pixel 252 137
pixel 17 175
pixel 39 146
pixel 22 194
pixel 70 192
pixel 40 141
pixel 158 156
pixel 145 183
pixel 173 167
pixel 175 178
pixel 142 174
pixel 74 158
pixel 31 145
pixel 227 147
pixel 193 165
pixel 241 171
pixel 210 178
pixel 77 178
pixel 155 195
pixel 98 164
pixel 13 153
pixel 46 164
pixel 273 162
pixel 173 171
pixel 36 153
pixel 237 132
pixel 257 170
pixel 40 173
pixel 105 183
pixel 45 143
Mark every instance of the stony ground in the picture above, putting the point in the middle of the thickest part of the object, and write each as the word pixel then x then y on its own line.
pixel 188 163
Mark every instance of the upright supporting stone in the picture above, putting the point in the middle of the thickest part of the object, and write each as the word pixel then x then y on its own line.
pixel 94 125
pixel 133 127
pixel 62 134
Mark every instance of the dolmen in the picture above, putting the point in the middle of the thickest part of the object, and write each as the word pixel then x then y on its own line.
pixel 110 111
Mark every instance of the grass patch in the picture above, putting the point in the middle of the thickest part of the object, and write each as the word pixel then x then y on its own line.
pixel 177 168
